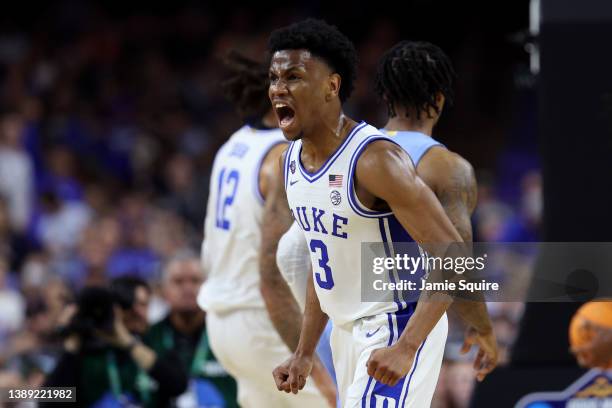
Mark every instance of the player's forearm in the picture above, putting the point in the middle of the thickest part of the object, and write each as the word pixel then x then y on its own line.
pixel 457 206
pixel 474 313
pixel 429 310
pixel 313 324
pixel 283 310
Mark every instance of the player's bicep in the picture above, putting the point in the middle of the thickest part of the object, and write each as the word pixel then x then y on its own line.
pixel 276 217
pixel 386 171
pixel 270 171
pixel 454 183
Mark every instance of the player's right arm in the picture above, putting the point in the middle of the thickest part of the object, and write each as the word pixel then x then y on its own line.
pixel 283 309
pixel 291 375
pixel 452 179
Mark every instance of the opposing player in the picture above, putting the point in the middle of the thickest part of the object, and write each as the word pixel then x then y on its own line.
pixel 240 332
pixel 347 184
pixel 415 80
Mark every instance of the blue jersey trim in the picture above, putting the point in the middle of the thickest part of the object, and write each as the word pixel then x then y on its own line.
pixel 365 393
pixel 312 177
pixel 287 160
pixel 416 361
pixel 352 196
pixel 256 190
pixel 386 241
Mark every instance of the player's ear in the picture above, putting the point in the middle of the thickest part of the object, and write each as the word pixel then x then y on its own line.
pixel 440 99
pixel 333 88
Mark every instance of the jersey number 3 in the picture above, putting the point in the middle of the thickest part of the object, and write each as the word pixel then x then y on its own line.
pixel 225 196
pixel 325 280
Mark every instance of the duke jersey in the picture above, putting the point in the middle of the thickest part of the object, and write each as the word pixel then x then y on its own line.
pixel 293 254
pixel 232 237
pixel 335 224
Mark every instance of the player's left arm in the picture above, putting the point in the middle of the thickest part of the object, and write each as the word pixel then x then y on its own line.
pixel 418 210
pixel 283 309
pixel 452 179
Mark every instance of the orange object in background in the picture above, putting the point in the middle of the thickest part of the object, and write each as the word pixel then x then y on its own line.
pixel 584 323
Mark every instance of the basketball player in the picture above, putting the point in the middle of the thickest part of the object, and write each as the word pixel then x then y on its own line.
pixel 372 186
pixel 240 332
pixel 415 80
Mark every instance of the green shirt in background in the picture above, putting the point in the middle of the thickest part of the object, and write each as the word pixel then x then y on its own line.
pixel 163 337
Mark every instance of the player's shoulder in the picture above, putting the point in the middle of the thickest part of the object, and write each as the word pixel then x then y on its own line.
pixel 445 161
pixel 380 153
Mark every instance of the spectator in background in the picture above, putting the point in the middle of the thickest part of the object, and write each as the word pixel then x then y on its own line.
pixel 13 247
pixel 184 330
pixel 60 223
pixel 60 177
pixel 32 352
pixel 16 171
pixel 11 304
pixel 98 241
pixel 186 193
pixel 134 257
pixel 525 226
pixel 104 357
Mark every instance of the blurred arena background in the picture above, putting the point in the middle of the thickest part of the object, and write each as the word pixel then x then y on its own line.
pixel 110 116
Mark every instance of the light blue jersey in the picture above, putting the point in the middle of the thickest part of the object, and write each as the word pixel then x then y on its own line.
pixel 416 144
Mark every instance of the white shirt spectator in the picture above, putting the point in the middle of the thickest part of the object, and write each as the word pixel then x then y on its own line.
pixel 16 183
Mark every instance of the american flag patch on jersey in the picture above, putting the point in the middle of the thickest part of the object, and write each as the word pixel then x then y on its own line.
pixel 335 180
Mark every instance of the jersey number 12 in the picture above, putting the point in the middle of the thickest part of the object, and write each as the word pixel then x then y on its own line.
pixel 225 196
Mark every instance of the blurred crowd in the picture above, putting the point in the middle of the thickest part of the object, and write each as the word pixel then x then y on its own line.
pixel 107 136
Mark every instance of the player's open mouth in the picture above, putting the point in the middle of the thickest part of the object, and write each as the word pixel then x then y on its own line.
pixel 285 114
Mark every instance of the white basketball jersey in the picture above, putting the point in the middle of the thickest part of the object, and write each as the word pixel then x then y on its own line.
pixel 293 260
pixel 232 235
pixel 335 224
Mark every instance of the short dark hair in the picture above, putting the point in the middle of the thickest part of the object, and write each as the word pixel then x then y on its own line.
pixel 123 290
pixel 412 73
pixel 247 85
pixel 324 41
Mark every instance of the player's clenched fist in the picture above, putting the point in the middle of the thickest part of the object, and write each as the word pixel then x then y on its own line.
pixel 291 375
pixel 388 365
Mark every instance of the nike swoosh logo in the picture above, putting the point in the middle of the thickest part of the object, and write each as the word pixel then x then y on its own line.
pixel 373 333
pixel 293 182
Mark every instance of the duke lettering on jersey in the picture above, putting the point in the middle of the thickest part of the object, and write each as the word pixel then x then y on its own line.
pixel 315 219
pixel 335 223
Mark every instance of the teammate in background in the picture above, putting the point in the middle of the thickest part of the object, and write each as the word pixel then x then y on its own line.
pixel 415 80
pixel 240 332
pixel 346 183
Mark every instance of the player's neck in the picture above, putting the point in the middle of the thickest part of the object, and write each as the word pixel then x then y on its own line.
pixel 404 124
pixel 320 143
pixel 187 322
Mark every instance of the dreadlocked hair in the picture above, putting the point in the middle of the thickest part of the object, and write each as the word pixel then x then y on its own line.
pixel 411 74
pixel 324 41
pixel 247 85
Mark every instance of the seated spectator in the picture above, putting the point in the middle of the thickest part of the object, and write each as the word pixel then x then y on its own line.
pixel 184 330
